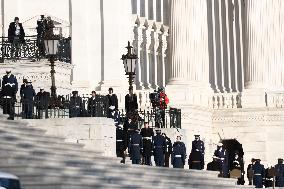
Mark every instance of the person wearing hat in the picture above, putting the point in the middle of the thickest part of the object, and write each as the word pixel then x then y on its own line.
pixel 28 100
pixel 159 148
pixel 16 36
pixel 112 103
pixel 131 104
pixel 250 172
pixel 9 91
pixel 258 174
pixel 25 81
pixel 169 149
pixel 76 105
pixel 42 102
pixel 135 147
pixel 147 135
pixel 222 156
pixel 279 167
pixel 179 153
pixel 121 142
pixel 92 104
pixel 197 152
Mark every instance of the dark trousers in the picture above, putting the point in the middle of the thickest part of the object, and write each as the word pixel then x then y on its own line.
pixel 160 162
pixel 135 161
pixel 28 110
pixel 167 159
pixel 147 160
pixel 257 181
pixel 8 107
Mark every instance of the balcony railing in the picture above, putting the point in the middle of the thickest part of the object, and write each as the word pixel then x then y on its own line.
pixel 226 100
pixel 33 49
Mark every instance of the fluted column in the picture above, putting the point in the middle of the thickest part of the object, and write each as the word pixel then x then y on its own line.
pixel 189 51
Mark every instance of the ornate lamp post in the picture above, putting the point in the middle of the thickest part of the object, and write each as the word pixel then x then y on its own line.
pixel 129 61
pixel 51 48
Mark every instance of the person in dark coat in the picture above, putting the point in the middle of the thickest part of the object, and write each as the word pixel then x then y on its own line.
pixel 147 135
pixel 159 148
pixel 239 165
pixel 42 102
pixel 112 103
pixel 259 174
pixel 194 160
pixel 76 105
pixel 25 81
pixel 250 172
pixel 214 165
pixel 135 147
pixel 169 149
pixel 121 144
pixel 16 35
pixel 197 151
pixel 28 100
pixel 279 173
pixel 41 27
pixel 178 154
pixel 9 91
pixel 131 104
pixel 222 156
pixel 92 104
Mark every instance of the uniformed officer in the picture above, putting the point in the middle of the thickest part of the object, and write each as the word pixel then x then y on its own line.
pixel 197 151
pixel 112 103
pixel 250 171
pixel 147 135
pixel 280 173
pixel 121 144
pixel 178 154
pixel 28 100
pixel 159 145
pixel 75 105
pixel 9 91
pixel 169 149
pixel 258 174
pixel 221 154
pixel 135 147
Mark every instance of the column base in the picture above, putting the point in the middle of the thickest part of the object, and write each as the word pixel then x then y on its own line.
pixel 253 98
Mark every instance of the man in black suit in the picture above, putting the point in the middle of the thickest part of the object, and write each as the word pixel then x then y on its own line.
pixel 92 104
pixel 42 102
pixel 131 104
pixel 112 103
pixel 16 35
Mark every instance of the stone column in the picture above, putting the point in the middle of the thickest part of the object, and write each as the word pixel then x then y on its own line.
pixel 265 49
pixel 189 76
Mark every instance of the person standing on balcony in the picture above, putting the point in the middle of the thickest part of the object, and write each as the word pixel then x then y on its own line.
pixel 49 28
pixel 131 105
pixel 41 25
pixel 112 103
pixel 28 100
pixel 16 35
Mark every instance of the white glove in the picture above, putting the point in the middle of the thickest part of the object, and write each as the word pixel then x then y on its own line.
pixel 112 107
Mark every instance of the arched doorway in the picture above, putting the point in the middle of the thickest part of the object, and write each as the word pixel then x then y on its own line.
pixel 232 146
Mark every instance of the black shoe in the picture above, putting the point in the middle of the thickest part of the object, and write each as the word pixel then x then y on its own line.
pixel 10 118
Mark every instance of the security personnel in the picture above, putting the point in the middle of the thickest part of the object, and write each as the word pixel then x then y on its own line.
pixel 258 174
pixel 75 105
pixel 121 144
pixel 131 104
pixel 178 154
pixel 135 147
pixel 28 100
pixel 280 173
pixel 9 91
pixel 198 146
pixel 221 154
pixel 92 103
pixel 159 145
pixel 169 149
pixel 112 103
pixel 250 171
pixel 147 135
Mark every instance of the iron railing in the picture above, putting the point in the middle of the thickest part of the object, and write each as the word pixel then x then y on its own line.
pixel 32 48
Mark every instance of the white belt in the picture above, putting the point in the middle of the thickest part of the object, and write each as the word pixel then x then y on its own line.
pixel 7 97
pixel 257 174
pixel 148 138
pixel 178 156
pixel 119 140
pixel 135 144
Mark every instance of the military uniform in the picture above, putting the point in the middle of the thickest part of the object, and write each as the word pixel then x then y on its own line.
pixel 42 102
pixel 9 91
pixel 121 144
pixel 178 155
pixel 112 102
pixel 259 174
pixel 197 152
pixel 159 145
pixel 194 160
pixel 168 152
pixel 135 147
pixel 221 154
pixel 75 105
pixel 280 173
pixel 147 134
pixel 28 101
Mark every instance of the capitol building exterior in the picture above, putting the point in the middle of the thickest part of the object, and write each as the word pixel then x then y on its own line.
pixel 220 61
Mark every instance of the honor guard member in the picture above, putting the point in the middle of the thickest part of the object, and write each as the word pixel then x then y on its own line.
pixel 28 100
pixel 120 142
pixel 9 91
pixel 250 171
pixel 258 174
pixel 147 135
pixel 214 165
pixel 112 103
pixel 194 160
pixel 279 173
pixel 159 145
pixel 178 154
pixel 169 149
pixel 198 147
pixel 92 103
pixel 135 147
pixel 221 154
pixel 131 104
pixel 75 105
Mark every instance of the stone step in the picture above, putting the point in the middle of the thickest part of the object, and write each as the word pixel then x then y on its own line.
pixel 20 128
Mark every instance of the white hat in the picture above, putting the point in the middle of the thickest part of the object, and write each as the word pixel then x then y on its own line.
pixel 220 144
pixel 8 70
pixel 41 88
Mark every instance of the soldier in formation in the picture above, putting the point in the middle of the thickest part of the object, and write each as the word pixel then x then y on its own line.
pixel 179 153
pixel 196 157
pixel 279 167
pixel 221 154
pixel 159 145
pixel 168 150
pixel 147 135
pixel 28 100
pixel 135 147
pixel 258 174
pixel 121 142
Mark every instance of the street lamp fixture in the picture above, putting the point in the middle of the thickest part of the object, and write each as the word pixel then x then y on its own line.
pixel 51 48
pixel 129 61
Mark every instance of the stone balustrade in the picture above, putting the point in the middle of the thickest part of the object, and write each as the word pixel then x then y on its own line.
pixel 226 100
pixel 274 99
